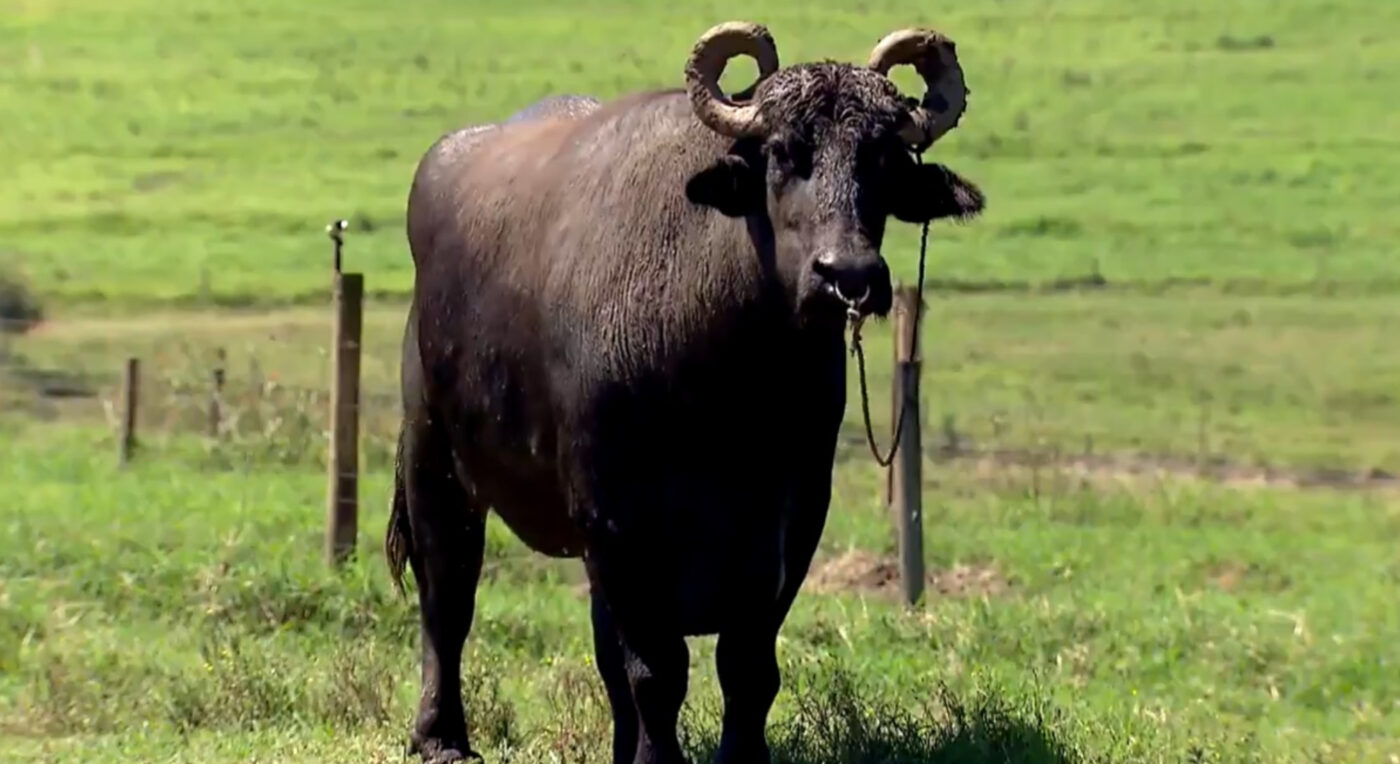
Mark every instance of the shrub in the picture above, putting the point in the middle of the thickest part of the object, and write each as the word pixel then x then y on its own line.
pixel 19 306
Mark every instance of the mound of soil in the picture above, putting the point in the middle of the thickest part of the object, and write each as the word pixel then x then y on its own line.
pixel 859 570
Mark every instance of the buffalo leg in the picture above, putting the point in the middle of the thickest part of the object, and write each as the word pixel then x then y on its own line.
pixel 745 657
pixel 657 668
pixel 611 656
pixel 449 537
pixel 645 668
pixel 748 677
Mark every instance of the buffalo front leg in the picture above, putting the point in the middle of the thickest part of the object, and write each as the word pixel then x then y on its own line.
pixel 747 666
pixel 645 667
pixel 449 538
pixel 657 669
pixel 745 657
pixel 611 656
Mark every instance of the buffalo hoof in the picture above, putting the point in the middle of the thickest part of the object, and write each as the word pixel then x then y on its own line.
pixel 433 751
pixel 449 755
pixel 753 753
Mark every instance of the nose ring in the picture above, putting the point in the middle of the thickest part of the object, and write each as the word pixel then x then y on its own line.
pixel 852 303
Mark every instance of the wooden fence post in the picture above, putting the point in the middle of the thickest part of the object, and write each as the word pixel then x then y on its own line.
pixel 131 392
pixel 906 479
pixel 342 503
pixel 216 396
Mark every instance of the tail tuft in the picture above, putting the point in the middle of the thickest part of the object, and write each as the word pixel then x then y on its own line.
pixel 398 537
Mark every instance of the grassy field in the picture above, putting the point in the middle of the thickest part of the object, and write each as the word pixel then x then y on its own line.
pixel 1109 621
pixel 1161 396
pixel 194 152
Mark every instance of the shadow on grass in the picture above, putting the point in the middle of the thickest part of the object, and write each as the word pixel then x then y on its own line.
pixel 835 721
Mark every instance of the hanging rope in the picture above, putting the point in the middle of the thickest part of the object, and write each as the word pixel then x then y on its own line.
pixel 856 348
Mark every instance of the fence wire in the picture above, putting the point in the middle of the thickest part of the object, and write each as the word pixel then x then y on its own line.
pixel 235 405
pixel 246 413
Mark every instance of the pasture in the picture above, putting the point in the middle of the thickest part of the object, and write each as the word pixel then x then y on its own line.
pixel 1161 391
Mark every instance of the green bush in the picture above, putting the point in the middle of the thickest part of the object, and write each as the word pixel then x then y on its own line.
pixel 19 307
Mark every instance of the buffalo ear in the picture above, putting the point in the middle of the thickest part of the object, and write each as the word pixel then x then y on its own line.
pixel 730 185
pixel 931 191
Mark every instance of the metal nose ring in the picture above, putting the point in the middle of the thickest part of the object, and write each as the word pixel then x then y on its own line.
pixel 856 302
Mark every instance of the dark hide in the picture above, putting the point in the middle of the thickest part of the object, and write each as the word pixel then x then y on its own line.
pixel 625 340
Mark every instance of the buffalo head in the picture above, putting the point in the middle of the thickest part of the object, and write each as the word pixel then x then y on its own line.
pixel 824 152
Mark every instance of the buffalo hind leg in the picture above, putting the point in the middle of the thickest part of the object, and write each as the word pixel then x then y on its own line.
pixel 449 539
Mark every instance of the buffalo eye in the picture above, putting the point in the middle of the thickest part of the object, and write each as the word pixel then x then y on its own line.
pixel 790 156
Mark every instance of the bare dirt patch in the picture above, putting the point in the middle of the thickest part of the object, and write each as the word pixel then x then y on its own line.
pixel 1122 467
pixel 1227 576
pixel 1132 467
pixel 1234 577
pixel 1054 466
pixel 860 570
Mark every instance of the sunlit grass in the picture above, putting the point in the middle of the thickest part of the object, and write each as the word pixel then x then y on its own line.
pixel 194 152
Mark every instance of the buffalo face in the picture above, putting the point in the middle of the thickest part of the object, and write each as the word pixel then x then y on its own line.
pixel 823 151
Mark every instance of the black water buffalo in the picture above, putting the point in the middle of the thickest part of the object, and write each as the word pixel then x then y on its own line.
pixel 626 338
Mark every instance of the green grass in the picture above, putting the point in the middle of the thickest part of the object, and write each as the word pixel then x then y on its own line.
pixel 193 152
pixel 1131 623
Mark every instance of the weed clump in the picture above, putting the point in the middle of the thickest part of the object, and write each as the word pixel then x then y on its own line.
pixel 837 718
pixel 841 721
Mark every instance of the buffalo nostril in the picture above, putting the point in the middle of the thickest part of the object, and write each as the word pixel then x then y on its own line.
pixel 853 289
pixel 852 282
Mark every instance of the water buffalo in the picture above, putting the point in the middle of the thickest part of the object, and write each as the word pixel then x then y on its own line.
pixel 627 339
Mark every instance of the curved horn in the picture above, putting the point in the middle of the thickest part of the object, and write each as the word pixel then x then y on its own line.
pixel 707 59
pixel 935 57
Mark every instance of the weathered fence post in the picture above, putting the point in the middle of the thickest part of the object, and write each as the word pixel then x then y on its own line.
pixel 216 396
pixel 342 504
pixel 906 479
pixel 131 392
